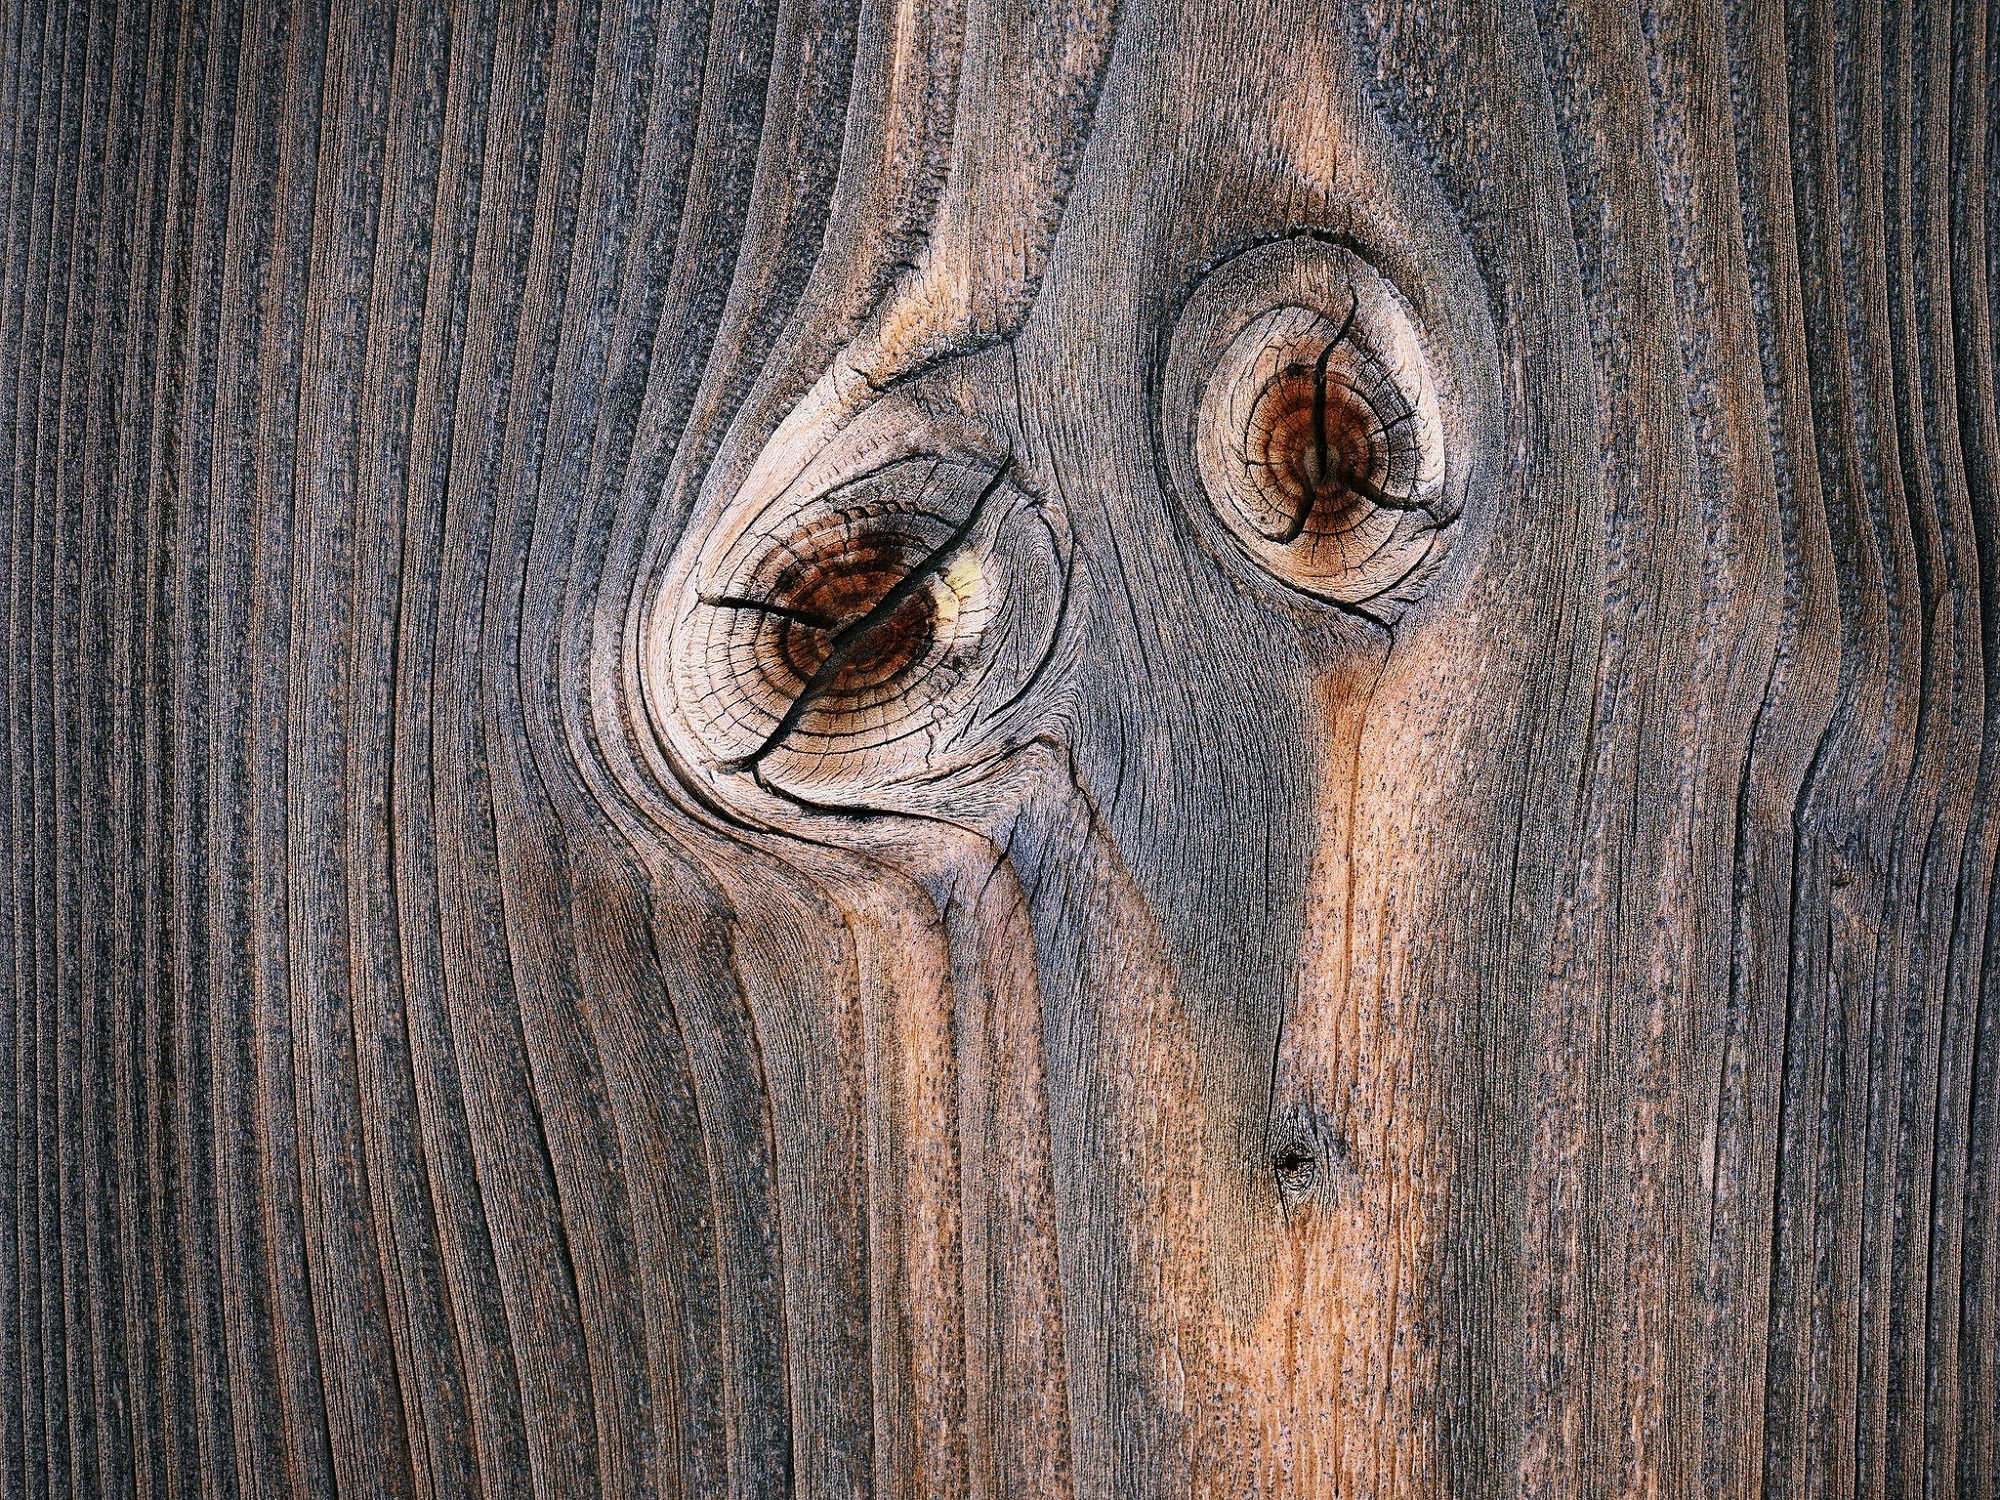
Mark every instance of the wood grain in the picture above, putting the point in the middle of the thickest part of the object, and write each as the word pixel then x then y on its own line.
pixel 967 748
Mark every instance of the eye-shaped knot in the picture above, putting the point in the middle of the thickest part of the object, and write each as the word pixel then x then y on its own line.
pixel 1302 412
pixel 871 634
pixel 1326 441
pixel 1295 1166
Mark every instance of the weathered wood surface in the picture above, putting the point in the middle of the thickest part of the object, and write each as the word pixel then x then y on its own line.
pixel 699 805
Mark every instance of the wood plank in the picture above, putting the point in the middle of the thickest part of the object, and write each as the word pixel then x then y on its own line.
pixel 971 749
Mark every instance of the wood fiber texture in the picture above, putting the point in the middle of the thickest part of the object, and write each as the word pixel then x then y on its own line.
pixel 682 819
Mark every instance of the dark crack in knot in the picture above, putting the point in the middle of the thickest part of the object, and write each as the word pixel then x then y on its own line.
pixel 1317 467
pixel 1321 441
pixel 865 618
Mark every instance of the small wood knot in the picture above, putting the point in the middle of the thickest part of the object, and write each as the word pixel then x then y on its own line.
pixel 1296 1167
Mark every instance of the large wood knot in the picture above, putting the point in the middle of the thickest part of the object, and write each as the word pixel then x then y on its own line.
pixel 872 633
pixel 1302 412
